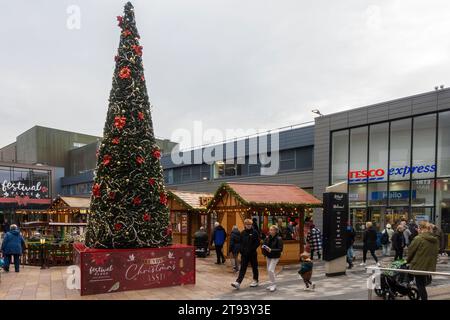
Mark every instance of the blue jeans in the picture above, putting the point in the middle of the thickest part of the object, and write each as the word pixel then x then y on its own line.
pixel 16 261
pixel 350 254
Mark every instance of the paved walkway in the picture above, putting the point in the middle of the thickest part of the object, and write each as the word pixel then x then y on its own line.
pixel 213 282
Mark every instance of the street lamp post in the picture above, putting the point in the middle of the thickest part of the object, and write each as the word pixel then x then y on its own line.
pixel 42 240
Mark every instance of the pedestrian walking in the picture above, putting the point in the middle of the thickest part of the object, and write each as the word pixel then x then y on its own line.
pixel 272 249
pixel 369 243
pixel 235 239
pixel 314 239
pixel 422 255
pixel 349 241
pixel 5 226
pixel 406 233
pixel 386 240
pixel 249 243
pixel 398 243
pixel 306 269
pixel 12 246
pixel 201 242
pixel 218 238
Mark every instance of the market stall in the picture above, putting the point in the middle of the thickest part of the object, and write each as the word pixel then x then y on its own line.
pixel 187 214
pixel 285 205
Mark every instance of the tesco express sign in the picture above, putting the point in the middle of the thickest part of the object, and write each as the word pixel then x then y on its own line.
pixel 378 174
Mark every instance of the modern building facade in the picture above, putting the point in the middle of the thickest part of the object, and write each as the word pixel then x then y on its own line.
pixel 394 157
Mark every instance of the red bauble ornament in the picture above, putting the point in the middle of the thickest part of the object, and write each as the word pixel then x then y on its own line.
pixel 151 181
pixel 163 198
pixel 118 226
pixel 156 153
pixel 119 122
pixel 125 73
pixel 137 201
pixel 115 140
pixel 111 195
pixel 140 160
pixel 106 159
pixel 137 50
pixel 142 78
pixel 141 115
pixel 120 19
pixel 146 217
pixel 96 190
pixel 126 33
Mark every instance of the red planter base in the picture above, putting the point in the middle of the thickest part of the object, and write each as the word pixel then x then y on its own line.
pixel 113 270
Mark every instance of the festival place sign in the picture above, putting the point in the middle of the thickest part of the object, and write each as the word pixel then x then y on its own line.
pixel 23 193
pixel 113 270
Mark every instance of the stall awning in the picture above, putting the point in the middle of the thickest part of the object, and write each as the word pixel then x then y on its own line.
pixel 190 199
pixel 267 195
pixel 71 202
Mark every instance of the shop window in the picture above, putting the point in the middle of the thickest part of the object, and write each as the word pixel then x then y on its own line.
pixel 358 154
pixel 357 195
pixel 422 193
pixel 205 171
pixel 377 194
pixel 443 204
pixel 378 151
pixel 424 147
pixel 5 174
pixel 339 156
pixel 443 163
pixel 400 150
pixel 422 214
pixel 358 218
pixel 399 193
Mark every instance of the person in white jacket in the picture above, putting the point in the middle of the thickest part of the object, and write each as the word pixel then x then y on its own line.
pixel 387 247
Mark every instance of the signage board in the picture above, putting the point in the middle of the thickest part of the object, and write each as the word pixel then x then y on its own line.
pixel 335 212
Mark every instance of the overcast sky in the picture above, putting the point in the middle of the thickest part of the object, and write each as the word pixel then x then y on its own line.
pixel 228 63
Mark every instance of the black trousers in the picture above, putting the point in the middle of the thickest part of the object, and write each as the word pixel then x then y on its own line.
pixel 219 254
pixel 8 258
pixel 398 254
pixel 421 282
pixel 245 260
pixel 372 252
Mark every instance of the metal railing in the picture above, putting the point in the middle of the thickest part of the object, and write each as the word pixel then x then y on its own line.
pixel 374 280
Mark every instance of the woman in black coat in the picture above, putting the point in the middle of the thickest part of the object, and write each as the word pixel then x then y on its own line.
pixel 369 243
pixel 398 243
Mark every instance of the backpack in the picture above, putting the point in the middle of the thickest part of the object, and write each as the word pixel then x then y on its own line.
pixel 385 238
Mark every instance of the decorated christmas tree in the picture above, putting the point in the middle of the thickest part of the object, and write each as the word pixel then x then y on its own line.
pixel 128 201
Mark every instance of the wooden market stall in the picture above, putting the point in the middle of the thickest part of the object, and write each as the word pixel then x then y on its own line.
pixel 269 204
pixel 187 214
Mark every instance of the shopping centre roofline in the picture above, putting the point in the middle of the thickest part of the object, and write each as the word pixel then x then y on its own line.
pixel 387 102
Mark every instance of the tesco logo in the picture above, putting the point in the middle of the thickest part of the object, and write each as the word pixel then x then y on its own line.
pixel 378 174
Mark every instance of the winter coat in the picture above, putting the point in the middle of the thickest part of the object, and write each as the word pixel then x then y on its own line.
pixel 235 241
pixel 390 233
pixel 370 239
pixel 423 251
pixel 219 235
pixel 314 239
pixel 249 241
pixel 398 241
pixel 276 246
pixel 349 237
pixel 201 238
pixel 13 243
pixel 407 235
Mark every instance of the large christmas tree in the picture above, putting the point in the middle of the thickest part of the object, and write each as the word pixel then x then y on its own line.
pixel 128 202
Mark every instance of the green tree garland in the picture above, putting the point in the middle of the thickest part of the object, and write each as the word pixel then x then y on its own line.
pixel 128 201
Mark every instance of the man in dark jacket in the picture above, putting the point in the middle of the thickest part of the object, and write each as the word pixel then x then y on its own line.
pixel 5 226
pixel 249 243
pixel 218 238
pixel 235 239
pixel 369 243
pixel 201 241
pixel 349 240
pixel 12 246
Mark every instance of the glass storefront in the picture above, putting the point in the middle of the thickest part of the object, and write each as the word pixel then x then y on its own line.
pixel 395 170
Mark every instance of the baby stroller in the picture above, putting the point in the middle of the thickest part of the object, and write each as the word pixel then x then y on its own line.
pixel 397 284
